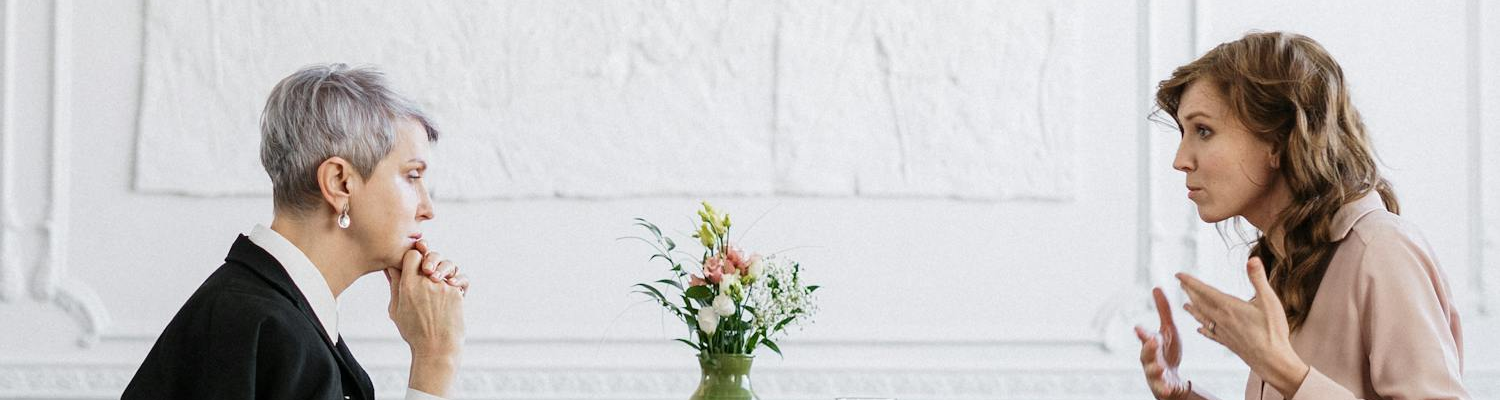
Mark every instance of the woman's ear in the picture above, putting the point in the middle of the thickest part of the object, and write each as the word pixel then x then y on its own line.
pixel 1275 157
pixel 337 180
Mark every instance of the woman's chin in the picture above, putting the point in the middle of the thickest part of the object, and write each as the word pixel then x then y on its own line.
pixel 390 261
pixel 1211 217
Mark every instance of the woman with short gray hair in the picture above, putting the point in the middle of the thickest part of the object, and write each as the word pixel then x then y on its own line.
pixel 346 156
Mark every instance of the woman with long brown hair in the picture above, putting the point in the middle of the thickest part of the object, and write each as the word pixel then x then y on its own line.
pixel 1350 302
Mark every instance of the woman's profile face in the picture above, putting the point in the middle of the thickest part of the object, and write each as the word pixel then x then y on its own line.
pixel 387 213
pixel 1230 172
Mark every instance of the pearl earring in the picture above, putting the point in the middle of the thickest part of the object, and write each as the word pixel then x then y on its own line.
pixel 344 218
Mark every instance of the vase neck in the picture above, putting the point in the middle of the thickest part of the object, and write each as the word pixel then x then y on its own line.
pixel 731 364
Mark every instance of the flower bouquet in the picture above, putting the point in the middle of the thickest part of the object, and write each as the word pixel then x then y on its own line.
pixel 731 304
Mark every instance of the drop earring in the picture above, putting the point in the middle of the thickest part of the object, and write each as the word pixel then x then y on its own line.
pixel 343 219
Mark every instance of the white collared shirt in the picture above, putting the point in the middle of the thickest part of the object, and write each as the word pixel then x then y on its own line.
pixel 309 280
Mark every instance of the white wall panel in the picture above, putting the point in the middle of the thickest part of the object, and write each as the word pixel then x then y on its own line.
pixel 1489 136
pixel 584 99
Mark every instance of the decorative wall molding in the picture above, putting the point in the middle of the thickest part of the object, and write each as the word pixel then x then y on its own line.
pixel 1489 43
pixel 1080 343
pixel 107 381
pixel 1491 273
pixel 55 227
pixel 547 383
pixel 1129 305
pixel 10 269
pixel 1484 133
pixel 73 297
pixel 48 283
pixel 1162 248
pixel 60 380
pixel 1476 155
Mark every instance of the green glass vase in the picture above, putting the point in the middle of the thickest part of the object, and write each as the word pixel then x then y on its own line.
pixel 725 377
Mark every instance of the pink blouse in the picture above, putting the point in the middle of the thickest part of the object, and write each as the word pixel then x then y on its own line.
pixel 1382 325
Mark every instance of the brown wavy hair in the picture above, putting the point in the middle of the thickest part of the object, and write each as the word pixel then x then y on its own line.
pixel 1289 92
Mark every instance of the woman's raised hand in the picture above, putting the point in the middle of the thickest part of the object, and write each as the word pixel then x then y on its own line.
pixel 1161 353
pixel 430 317
pixel 1255 330
pixel 440 269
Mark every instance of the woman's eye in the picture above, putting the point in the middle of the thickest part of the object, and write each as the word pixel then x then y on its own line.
pixel 414 176
pixel 1204 132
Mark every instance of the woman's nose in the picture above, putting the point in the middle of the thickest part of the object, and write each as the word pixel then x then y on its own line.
pixel 1183 160
pixel 424 209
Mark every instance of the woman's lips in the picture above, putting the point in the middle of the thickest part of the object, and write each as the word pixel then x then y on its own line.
pixel 1194 193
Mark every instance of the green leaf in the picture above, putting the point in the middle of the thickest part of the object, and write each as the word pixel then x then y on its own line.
pixel 650 226
pixel 810 289
pixel 653 295
pixel 654 292
pixel 783 323
pixel 699 292
pixel 772 345
pixel 695 346
pixel 754 340
pixel 670 244
pixel 643 240
pixel 671 282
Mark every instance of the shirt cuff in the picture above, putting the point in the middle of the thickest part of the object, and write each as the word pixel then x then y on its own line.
pixel 1318 386
pixel 1195 394
pixel 414 394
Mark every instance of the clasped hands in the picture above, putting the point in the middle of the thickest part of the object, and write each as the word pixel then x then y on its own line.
pixel 427 294
pixel 1255 330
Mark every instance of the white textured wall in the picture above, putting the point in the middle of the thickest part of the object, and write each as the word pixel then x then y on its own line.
pixel 600 100
pixel 973 182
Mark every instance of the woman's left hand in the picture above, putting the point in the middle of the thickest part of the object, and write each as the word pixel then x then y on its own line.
pixel 1254 330
pixel 440 269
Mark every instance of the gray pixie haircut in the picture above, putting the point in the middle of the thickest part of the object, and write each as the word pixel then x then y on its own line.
pixel 324 111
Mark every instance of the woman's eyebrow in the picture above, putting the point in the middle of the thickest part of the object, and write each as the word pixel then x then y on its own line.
pixel 1196 114
pixel 418 161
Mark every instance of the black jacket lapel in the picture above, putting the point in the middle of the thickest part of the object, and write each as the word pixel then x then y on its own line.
pixel 361 379
pixel 252 256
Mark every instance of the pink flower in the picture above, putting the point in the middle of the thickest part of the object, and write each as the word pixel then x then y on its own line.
pixel 695 280
pixel 713 269
pixel 735 260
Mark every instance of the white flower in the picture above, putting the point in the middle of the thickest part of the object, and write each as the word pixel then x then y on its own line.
pixel 728 283
pixel 756 269
pixel 779 294
pixel 723 305
pixel 708 321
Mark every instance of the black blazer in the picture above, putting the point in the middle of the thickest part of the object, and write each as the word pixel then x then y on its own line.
pixel 248 333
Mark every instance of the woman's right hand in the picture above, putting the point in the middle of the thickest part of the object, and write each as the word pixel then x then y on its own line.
pixel 1161 353
pixel 429 314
